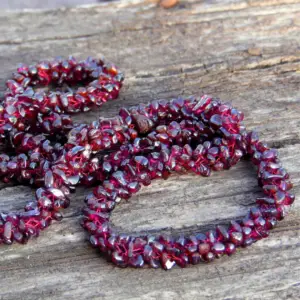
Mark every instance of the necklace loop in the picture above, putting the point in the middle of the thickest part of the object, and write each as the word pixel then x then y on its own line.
pixel 142 143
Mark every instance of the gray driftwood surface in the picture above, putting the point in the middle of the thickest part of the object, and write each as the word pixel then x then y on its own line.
pixel 247 52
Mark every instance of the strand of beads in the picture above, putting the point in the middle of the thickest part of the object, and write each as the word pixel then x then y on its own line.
pixel 194 134
pixel 34 127
pixel 197 134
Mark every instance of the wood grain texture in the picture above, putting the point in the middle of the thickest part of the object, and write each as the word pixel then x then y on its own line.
pixel 246 52
pixel 42 4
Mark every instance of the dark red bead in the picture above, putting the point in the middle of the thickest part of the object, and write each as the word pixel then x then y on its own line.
pixel 289 199
pixel 119 260
pixel 166 262
pixel 230 248
pixel 236 238
pixel 208 257
pixel 222 233
pixel 136 262
pixel 218 249
pixel 204 248
pixel 195 258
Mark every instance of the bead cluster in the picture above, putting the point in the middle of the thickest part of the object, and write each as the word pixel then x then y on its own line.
pixel 34 127
pixel 142 143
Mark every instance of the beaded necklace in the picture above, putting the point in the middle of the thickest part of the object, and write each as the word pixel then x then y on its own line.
pixel 141 143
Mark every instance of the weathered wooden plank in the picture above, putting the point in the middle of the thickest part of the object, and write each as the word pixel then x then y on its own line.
pixel 243 51
pixel 34 4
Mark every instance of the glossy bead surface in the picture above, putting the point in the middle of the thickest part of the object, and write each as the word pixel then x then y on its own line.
pixel 117 156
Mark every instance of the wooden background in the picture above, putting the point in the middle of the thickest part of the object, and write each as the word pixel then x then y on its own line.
pixel 44 4
pixel 247 52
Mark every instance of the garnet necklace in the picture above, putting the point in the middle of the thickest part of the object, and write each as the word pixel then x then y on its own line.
pixel 141 143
